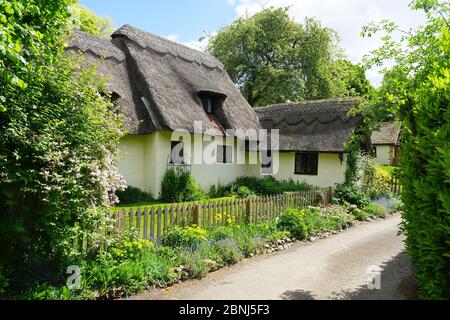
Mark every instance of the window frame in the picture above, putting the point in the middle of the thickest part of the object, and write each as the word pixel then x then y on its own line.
pixel 304 169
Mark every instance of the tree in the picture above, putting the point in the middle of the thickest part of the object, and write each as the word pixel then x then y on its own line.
pixel 349 79
pixel 274 59
pixel 59 138
pixel 30 35
pixel 417 92
pixel 87 21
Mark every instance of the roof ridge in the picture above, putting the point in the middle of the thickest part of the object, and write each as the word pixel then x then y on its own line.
pixel 174 48
pixel 307 102
pixel 97 45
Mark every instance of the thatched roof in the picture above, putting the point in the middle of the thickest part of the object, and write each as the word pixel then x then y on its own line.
pixel 111 63
pixel 160 82
pixel 321 126
pixel 388 133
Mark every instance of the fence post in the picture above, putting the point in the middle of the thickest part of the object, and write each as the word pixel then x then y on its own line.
pixel 198 215
pixel 248 210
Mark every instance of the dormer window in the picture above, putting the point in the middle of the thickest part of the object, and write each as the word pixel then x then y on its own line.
pixel 209 103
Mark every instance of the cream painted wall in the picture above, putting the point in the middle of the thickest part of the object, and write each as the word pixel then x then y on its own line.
pixel 131 160
pixel 330 170
pixel 384 154
pixel 143 162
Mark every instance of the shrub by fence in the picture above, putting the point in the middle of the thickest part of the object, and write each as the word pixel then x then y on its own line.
pixel 153 222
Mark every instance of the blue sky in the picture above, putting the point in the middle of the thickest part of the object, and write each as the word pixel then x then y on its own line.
pixel 186 21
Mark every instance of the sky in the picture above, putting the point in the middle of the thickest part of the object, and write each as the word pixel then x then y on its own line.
pixel 187 21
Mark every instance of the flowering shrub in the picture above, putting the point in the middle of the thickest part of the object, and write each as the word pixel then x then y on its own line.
pixel 129 245
pixel 292 221
pixel 229 251
pixel 188 236
pixel 350 194
pixel 228 221
pixel 375 181
pixel 59 139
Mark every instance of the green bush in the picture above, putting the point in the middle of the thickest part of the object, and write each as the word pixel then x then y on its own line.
pixel 228 251
pixel 375 210
pixel 3 282
pixel 189 236
pixel 45 291
pixel 133 195
pixel 243 192
pixel 389 204
pixel 292 221
pixel 180 187
pixel 337 218
pixel 133 275
pixel 416 90
pixel 375 182
pixel 266 186
pixel 218 191
pixel 128 245
pixel 358 213
pixel 352 195
pixel 58 174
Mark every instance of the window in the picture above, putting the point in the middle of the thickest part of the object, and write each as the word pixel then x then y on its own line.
pixel 306 163
pixel 224 154
pixel 266 162
pixel 208 104
pixel 177 152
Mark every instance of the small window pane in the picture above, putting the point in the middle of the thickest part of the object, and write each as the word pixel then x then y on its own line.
pixel 208 104
pixel 306 163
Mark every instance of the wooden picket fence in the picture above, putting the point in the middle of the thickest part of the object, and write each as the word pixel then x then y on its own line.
pixel 394 185
pixel 153 222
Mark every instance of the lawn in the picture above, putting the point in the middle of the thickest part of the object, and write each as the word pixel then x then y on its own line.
pixel 151 204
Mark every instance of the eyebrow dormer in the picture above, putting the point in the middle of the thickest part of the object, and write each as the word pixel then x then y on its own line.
pixel 211 101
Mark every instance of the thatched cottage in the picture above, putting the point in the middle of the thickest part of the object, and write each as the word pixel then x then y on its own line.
pixel 385 142
pixel 167 91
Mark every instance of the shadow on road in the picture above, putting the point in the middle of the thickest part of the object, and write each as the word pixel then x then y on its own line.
pixel 297 295
pixel 397 283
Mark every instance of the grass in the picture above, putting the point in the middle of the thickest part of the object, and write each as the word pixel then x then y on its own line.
pixel 151 204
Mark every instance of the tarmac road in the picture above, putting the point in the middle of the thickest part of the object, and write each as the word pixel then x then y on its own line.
pixel 334 268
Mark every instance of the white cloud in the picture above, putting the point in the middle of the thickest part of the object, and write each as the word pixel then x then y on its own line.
pixel 200 44
pixel 172 37
pixel 345 16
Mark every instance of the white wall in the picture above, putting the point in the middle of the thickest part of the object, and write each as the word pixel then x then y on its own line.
pixel 384 154
pixel 144 161
pixel 131 160
pixel 329 172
